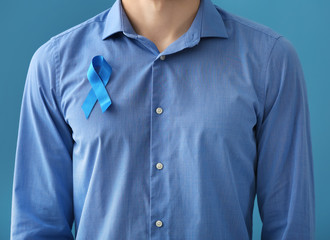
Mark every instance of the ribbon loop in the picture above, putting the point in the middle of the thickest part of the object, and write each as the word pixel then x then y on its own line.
pixel 98 75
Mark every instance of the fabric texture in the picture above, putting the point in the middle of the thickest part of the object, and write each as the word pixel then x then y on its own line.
pixel 192 136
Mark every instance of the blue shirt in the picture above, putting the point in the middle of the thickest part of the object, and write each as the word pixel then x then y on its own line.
pixel 192 135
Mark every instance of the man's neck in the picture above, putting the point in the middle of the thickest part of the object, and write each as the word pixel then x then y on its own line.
pixel 161 21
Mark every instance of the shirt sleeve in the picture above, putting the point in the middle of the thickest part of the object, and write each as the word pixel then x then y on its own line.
pixel 42 204
pixel 285 179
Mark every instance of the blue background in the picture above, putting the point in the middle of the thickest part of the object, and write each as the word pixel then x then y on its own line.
pixel 25 25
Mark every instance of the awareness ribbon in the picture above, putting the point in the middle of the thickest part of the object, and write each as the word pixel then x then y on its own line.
pixel 98 75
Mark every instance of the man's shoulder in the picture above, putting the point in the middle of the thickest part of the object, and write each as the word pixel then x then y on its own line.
pixel 258 39
pixel 75 34
pixel 246 25
pixel 68 40
pixel 72 37
pixel 81 27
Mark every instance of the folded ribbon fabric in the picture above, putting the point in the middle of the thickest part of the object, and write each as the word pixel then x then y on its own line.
pixel 98 75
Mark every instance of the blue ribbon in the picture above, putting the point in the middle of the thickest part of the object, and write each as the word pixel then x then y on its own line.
pixel 98 75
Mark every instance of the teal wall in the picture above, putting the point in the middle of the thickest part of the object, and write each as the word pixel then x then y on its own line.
pixel 25 25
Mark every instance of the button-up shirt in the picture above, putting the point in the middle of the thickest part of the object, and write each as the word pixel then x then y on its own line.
pixel 192 135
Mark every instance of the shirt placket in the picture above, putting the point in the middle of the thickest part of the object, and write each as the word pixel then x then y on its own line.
pixel 159 173
pixel 160 183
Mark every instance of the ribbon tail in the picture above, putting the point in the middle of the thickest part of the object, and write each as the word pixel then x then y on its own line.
pixel 89 103
pixel 105 104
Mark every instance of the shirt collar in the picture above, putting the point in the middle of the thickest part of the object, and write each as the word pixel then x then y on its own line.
pixel 207 23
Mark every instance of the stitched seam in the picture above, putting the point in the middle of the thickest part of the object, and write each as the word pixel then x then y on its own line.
pixel 57 74
pixel 263 76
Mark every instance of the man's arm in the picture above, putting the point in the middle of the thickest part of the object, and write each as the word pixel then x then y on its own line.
pixel 42 205
pixel 285 178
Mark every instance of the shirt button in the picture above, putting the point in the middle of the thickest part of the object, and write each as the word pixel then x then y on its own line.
pixel 159 223
pixel 159 165
pixel 162 57
pixel 159 110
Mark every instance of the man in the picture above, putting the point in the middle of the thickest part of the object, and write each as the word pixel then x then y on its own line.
pixel 164 120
